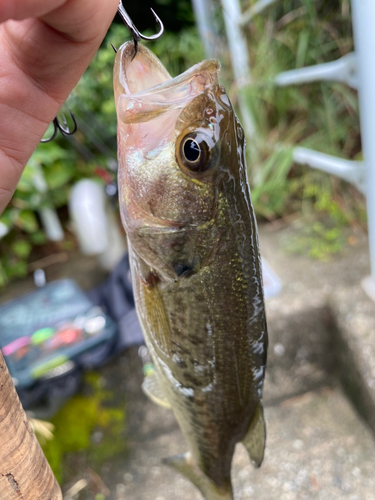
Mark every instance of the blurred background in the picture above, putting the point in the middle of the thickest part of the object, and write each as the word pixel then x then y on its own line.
pixel 107 441
pixel 323 116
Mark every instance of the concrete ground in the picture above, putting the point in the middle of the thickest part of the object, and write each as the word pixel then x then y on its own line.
pixel 319 392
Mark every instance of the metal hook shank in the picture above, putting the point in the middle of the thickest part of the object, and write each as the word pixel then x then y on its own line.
pixel 65 129
pixel 137 36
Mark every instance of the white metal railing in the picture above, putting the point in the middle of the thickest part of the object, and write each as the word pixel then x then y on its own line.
pixel 356 70
pixel 205 20
pixel 343 70
pixel 363 12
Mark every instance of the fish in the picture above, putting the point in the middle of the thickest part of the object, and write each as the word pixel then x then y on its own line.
pixel 186 208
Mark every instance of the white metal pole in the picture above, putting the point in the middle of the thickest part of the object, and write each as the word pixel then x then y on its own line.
pixel 342 70
pixel 364 37
pixel 239 58
pixel 349 170
pixel 204 13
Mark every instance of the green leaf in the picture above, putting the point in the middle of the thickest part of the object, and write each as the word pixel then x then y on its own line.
pixel 21 248
pixel 58 174
pixel 38 238
pixel 17 270
pixel 3 276
pixel 27 221
pixel 26 183
pixel 48 153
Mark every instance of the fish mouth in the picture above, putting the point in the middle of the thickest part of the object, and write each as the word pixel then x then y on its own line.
pixel 144 89
pixel 149 103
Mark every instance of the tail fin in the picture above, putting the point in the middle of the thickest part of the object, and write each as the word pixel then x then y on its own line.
pixel 186 467
pixel 255 438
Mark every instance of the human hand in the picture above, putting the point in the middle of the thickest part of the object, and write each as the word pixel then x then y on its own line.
pixel 45 46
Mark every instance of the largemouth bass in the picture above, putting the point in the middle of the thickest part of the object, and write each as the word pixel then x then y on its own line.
pixel 186 208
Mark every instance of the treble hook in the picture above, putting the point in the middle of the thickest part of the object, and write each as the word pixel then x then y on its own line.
pixel 137 36
pixel 64 129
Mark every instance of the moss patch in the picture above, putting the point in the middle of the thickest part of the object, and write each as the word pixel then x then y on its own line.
pixel 90 423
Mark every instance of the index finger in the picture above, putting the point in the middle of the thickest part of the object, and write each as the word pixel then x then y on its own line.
pixel 19 9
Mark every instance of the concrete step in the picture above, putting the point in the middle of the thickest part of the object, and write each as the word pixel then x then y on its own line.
pixel 354 333
pixel 329 294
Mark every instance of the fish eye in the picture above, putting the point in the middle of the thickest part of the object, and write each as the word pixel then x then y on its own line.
pixel 195 152
pixel 192 150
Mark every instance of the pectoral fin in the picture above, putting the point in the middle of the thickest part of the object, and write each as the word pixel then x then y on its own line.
pixel 153 390
pixel 255 438
pixel 185 466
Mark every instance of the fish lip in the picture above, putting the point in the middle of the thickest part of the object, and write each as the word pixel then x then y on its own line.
pixel 125 54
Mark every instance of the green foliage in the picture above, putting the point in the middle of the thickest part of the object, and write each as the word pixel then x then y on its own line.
pixel 270 194
pixel 92 99
pixel 78 419
pixel 183 10
pixel 44 183
pixel 316 240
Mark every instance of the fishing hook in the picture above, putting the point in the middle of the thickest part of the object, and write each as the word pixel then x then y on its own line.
pixel 137 36
pixel 64 129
